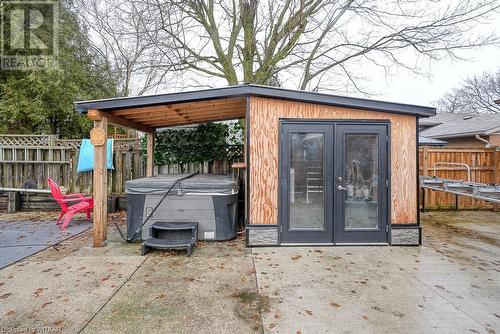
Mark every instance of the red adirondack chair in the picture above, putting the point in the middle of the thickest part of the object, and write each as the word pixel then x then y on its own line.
pixel 70 204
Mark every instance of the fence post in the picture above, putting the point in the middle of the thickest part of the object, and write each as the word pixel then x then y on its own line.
pixel 13 202
pixel 425 161
pixel 425 171
pixel 496 173
pixel 51 140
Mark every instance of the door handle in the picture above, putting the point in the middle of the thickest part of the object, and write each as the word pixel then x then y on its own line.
pixel 341 188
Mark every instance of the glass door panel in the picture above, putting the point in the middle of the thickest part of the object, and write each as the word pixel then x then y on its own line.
pixel 361 172
pixel 306 168
pixel 307 200
pixel 361 188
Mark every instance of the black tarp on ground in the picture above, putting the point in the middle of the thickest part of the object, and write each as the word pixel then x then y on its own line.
pixel 20 239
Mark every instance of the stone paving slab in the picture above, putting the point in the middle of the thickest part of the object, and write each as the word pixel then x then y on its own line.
pixel 24 238
pixel 12 254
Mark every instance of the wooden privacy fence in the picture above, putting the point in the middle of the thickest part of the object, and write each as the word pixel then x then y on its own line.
pixel 27 162
pixel 482 164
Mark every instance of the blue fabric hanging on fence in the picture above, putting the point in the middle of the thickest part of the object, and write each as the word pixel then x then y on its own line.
pixel 86 158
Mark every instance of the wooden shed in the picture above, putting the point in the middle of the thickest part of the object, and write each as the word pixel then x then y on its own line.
pixel 321 169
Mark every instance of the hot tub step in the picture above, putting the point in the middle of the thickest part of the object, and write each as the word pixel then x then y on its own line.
pixel 171 235
pixel 168 226
pixel 157 243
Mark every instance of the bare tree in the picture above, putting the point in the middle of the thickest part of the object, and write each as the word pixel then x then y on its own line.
pixel 117 32
pixel 476 95
pixel 311 44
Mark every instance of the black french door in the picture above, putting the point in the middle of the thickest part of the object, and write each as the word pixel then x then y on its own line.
pixel 333 182
pixel 307 183
pixel 361 182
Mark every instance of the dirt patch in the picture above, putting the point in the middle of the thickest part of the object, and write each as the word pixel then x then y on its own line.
pixel 119 218
pixel 249 307
pixel 34 216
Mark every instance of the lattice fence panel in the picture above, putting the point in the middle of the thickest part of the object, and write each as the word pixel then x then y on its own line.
pixel 26 140
pixel 30 160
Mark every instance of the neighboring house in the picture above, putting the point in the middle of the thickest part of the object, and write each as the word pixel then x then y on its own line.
pixel 427 123
pixel 426 141
pixel 462 130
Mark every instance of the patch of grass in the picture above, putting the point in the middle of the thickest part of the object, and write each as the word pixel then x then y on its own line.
pixel 253 298
pixel 250 307
pixel 246 296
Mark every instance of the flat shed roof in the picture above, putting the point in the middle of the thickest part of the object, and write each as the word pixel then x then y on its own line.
pixel 214 104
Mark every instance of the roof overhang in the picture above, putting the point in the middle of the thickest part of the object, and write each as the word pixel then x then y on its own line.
pixel 492 130
pixel 467 134
pixel 457 135
pixel 182 108
pixel 426 141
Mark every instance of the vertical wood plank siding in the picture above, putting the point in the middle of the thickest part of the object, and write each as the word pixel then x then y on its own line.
pixel 264 149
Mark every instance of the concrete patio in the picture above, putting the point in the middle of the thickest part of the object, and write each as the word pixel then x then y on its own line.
pixel 451 284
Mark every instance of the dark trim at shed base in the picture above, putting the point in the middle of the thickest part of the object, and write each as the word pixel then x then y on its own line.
pixel 262 235
pixel 406 235
pixel 268 235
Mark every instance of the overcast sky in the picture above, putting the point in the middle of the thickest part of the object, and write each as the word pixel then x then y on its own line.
pixel 402 85
pixel 444 75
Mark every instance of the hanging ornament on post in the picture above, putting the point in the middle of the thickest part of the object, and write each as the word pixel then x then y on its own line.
pixel 97 137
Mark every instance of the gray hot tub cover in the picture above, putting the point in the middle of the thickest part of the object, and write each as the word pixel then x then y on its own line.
pixel 200 183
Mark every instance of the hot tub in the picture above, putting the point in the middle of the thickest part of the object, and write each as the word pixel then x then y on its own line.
pixel 208 199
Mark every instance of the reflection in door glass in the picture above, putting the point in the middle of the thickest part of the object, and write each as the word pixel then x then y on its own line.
pixel 306 181
pixel 361 181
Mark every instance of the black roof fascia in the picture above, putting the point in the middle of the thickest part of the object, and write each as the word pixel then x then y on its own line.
pixel 254 90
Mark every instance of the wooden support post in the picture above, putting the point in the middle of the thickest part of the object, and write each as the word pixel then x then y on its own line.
pixel 150 153
pixel 100 227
